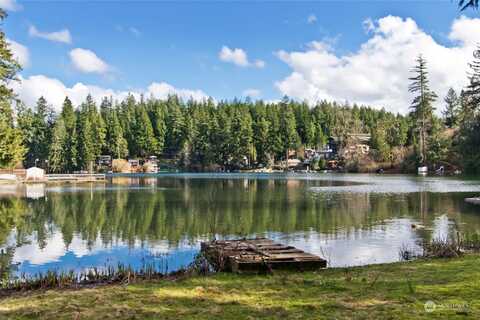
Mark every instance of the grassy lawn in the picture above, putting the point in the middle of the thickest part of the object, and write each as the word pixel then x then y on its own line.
pixel 393 291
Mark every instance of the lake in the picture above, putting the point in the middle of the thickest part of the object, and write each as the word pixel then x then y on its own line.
pixel 349 219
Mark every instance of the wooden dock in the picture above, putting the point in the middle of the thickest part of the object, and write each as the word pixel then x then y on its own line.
pixel 76 177
pixel 258 255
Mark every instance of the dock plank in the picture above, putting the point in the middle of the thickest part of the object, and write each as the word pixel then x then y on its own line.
pixel 256 255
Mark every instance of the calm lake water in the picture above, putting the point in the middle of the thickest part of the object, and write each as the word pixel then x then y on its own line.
pixel 347 219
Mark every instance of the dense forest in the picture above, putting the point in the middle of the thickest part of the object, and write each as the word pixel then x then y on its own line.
pixel 234 134
pixel 229 134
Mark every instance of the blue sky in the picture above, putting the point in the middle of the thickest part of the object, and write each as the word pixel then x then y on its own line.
pixel 179 43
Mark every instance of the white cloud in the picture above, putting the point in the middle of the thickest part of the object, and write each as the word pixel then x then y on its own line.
pixel 259 64
pixel 88 62
pixel 368 25
pixel 31 88
pixel 10 5
pixel 162 90
pixel 20 53
pixel 377 73
pixel 238 57
pixel 252 93
pixel 135 31
pixel 312 19
pixel 57 36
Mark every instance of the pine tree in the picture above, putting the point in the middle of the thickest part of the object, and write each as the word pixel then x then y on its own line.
pixel 176 133
pixel 116 144
pixel 305 128
pixel 379 142
pixel 90 140
pixel 452 108
pixel 12 149
pixel 241 136
pixel 57 157
pixel 261 128
pixel 288 131
pixel 39 134
pixel 9 66
pixel 468 138
pixel 422 105
pixel 98 129
pixel 202 135
pixel 144 142
pixel 156 111
pixel 69 151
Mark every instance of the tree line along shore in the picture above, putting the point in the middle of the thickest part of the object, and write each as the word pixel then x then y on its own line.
pixel 213 135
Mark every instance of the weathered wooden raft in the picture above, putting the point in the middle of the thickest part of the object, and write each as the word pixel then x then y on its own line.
pixel 257 255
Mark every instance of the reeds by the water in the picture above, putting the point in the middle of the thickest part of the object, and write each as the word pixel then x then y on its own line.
pixel 443 247
pixel 124 274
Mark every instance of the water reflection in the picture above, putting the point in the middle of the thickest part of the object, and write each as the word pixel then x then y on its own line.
pixel 133 220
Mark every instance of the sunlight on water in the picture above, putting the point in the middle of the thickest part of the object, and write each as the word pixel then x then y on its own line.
pixel 348 219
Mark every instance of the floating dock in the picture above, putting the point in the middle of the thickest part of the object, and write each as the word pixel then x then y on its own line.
pixel 76 177
pixel 473 200
pixel 258 255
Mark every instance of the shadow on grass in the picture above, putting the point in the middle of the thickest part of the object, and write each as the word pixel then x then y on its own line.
pixel 373 292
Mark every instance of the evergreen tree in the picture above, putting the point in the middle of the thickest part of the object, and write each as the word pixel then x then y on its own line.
pixel 9 65
pixel 11 144
pixel 241 137
pixel 221 131
pixel 176 133
pixel 380 141
pixel 305 129
pixel 116 144
pixel 69 149
pixel 57 156
pixel 261 128
pixel 91 134
pixel 288 131
pixel 468 137
pixel 98 130
pixel 156 111
pixel 39 135
pixel 452 108
pixel 202 135
pixel 144 142
pixel 275 142
pixel 422 105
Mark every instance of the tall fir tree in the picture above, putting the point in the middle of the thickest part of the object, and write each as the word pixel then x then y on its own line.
pixel 288 131
pixel 422 106
pixel 9 65
pixel 176 133
pixel 261 127
pixel 12 149
pixel 70 156
pixel 40 134
pixel 157 112
pixel 472 92
pixel 144 142
pixel 57 157
pixel 468 137
pixel 452 108
pixel 116 144
pixel 91 134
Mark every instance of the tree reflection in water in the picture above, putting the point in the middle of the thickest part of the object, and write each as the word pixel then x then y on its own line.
pixel 140 212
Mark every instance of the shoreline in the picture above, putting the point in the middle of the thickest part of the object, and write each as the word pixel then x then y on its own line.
pixel 374 291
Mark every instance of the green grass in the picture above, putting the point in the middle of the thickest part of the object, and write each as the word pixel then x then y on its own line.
pixel 390 291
